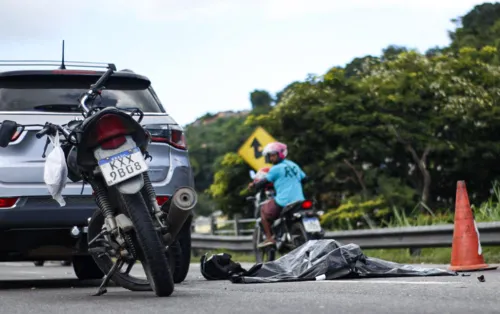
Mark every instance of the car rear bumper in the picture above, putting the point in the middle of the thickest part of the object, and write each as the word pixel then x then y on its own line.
pixel 41 244
pixel 44 212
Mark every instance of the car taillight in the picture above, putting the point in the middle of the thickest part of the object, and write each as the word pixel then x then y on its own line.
pixel 110 131
pixel 307 204
pixel 178 139
pixel 7 202
pixel 161 200
pixel 173 137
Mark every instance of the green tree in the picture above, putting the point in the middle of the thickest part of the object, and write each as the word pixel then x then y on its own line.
pixel 392 52
pixel 478 28
pixel 229 186
pixel 358 65
pixel 261 101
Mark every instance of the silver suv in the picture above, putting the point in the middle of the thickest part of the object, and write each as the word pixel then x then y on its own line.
pixel 33 227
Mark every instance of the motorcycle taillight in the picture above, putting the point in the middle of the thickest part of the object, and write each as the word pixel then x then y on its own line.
pixel 110 131
pixel 307 204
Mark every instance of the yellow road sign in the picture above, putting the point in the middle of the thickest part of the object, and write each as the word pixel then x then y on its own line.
pixel 251 150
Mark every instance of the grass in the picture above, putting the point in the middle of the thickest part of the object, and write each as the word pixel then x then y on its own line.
pixel 427 256
pixel 487 212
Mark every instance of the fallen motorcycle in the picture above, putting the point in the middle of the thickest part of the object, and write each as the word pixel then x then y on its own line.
pixel 107 149
pixel 298 223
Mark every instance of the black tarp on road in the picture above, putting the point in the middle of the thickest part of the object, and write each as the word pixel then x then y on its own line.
pixel 327 260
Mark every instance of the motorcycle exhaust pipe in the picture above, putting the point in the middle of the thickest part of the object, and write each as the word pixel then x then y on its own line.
pixel 183 201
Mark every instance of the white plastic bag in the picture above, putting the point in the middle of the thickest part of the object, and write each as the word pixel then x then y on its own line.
pixel 56 172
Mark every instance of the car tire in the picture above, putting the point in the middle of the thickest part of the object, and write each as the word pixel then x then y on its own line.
pixel 85 268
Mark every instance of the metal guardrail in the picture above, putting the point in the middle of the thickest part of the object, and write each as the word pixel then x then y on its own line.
pixel 228 227
pixel 385 238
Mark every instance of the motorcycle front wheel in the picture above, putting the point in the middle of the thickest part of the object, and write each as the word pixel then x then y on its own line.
pixel 298 234
pixel 261 254
pixel 122 277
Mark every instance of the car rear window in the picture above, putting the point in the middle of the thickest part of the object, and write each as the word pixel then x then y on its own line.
pixel 60 93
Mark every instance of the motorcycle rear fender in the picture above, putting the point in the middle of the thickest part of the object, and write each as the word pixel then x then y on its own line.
pixel 86 135
pixel 132 185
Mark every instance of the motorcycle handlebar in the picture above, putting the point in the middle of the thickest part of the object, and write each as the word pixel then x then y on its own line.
pixel 100 82
pixel 44 131
pixel 50 129
pixel 95 88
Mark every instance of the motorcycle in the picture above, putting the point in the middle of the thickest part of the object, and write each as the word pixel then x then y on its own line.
pixel 108 150
pixel 298 223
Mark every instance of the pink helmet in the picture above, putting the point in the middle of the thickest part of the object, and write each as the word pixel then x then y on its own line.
pixel 273 148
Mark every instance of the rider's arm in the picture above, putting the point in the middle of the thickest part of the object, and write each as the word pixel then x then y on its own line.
pixel 260 184
pixel 270 178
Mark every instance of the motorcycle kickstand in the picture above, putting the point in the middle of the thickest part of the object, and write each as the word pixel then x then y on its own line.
pixel 102 288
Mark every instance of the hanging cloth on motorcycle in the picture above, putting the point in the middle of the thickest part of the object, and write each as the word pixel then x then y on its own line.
pixel 56 171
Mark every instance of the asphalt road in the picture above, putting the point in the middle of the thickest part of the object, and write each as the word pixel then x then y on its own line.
pixel 25 288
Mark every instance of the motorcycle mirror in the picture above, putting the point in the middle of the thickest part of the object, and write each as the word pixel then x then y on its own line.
pixel 8 131
pixel 252 174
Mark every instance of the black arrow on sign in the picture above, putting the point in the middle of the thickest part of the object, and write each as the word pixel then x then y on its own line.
pixel 255 144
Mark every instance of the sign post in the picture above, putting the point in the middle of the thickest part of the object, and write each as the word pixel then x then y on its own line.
pixel 251 150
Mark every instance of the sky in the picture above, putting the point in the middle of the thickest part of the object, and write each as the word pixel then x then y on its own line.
pixel 208 55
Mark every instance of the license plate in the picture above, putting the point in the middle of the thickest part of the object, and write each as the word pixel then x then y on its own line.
pixel 311 224
pixel 122 166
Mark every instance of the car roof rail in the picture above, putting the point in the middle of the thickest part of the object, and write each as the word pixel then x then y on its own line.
pixel 76 64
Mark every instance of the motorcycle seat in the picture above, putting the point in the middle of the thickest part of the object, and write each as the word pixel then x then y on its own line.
pixel 289 207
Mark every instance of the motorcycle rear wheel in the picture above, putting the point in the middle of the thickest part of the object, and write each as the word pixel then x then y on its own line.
pixel 154 259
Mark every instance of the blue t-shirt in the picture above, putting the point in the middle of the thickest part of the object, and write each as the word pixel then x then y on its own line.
pixel 286 178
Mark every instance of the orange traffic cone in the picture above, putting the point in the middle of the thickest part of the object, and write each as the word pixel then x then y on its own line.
pixel 466 252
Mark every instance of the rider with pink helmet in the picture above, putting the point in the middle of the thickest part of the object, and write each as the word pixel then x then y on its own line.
pixel 286 177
